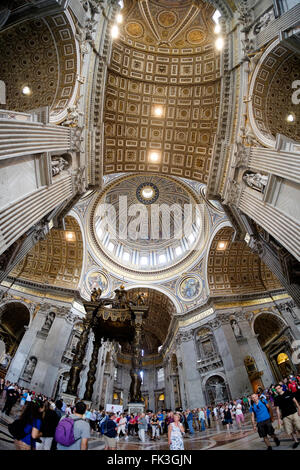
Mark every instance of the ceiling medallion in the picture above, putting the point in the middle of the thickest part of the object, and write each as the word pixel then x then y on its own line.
pixel 196 36
pixel 134 29
pixel 167 19
pixel 147 193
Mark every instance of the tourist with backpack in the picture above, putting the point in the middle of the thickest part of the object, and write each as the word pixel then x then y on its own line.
pixel 262 412
pixel 103 423
pixel 111 433
pixel 73 432
pixel 26 429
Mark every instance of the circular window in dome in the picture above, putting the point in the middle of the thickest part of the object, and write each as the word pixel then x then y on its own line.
pixel 147 193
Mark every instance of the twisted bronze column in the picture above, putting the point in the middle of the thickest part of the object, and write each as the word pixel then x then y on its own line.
pixel 91 377
pixel 78 361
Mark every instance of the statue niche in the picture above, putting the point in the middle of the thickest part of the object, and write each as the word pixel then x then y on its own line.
pixel 29 368
pixel 256 181
pixel 48 322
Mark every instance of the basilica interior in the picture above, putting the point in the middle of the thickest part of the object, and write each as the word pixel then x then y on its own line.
pixel 114 105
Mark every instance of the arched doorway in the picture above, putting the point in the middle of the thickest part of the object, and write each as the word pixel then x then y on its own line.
pixel 216 390
pixel 14 318
pixel 275 339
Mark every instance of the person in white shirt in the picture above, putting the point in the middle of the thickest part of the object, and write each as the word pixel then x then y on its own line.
pixel 215 412
pixel 201 417
pixel 122 427
pixel 239 416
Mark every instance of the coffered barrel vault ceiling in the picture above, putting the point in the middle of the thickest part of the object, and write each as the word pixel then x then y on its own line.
pixel 165 56
pixel 235 269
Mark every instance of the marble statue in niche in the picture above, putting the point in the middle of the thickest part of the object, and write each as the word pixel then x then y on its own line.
pixel 58 164
pixel 30 367
pixel 219 391
pixel 48 322
pixel 235 327
pixel 256 181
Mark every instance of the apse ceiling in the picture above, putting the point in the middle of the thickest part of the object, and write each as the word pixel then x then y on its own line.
pixel 155 329
pixel 164 57
pixel 232 268
pixel 55 261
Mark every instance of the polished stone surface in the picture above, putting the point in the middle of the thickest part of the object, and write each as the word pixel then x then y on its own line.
pixel 214 438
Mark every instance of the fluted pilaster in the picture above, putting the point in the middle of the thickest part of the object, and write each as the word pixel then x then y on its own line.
pixel 19 138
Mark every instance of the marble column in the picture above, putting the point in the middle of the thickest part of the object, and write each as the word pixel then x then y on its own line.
pixel 151 380
pixel 251 347
pixel 91 377
pixel 229 349
pixel 282 227
pixel 51 350
pixel 281 163
pixel 25 137
pixel 191 378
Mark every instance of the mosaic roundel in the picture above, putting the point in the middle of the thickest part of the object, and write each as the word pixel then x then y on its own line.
pixel 195 36
pixel 190 288
pixel 147 193
pixel 167 19
pixel 135 30
pixel 95 279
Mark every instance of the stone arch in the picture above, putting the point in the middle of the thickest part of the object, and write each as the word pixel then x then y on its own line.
pixel 59 386
pixel 271 92
pixel 216 388
pixel 275 339
pixel 55 261
pixel 14 318
pixel 156 325
pixel 177 305
pixel 232 268
pixel 270 317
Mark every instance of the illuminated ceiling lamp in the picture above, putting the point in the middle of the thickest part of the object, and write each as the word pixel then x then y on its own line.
pixel 26 90
pixel 154 156
pixel 290 118
pixel 158 111
pixel 221 245
pixel 70 236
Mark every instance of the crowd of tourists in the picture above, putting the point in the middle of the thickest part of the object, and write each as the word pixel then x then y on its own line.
pixel 46 424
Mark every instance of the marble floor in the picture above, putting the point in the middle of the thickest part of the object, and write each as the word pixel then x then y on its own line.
pixel 214 438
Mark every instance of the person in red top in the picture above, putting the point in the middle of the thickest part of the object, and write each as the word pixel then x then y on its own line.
pixel 292 386
pixel 131 425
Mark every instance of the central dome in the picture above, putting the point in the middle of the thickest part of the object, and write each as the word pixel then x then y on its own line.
pixel 148 222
